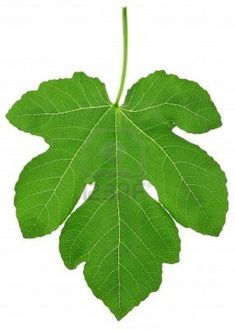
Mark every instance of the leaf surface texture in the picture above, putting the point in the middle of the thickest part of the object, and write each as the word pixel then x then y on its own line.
pixel 121 233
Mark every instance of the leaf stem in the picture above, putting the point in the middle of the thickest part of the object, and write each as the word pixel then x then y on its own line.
pixel 125 53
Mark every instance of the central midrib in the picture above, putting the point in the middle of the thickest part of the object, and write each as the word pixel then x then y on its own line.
pixel 118 206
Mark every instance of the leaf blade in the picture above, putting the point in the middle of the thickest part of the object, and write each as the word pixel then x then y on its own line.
pixel 121 233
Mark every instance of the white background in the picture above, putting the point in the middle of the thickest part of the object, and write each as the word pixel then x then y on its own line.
pixel 41 40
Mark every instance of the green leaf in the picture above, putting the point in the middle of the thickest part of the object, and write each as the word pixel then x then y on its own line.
pixel 120 232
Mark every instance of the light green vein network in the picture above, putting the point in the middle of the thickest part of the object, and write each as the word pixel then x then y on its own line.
pixel 121 234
